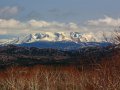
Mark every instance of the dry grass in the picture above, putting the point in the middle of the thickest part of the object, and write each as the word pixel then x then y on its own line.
pixel 103 76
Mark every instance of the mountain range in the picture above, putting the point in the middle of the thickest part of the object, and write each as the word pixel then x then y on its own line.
pixel 60 40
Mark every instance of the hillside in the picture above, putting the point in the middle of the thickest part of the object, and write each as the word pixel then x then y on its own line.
pixel 16 55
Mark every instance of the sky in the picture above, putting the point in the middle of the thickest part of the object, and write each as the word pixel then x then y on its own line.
pixel 31 16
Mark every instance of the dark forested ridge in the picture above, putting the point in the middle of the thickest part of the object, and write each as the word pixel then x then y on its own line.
pixel 17 55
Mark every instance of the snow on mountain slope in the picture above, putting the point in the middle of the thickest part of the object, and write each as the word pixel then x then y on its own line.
pixel 53 37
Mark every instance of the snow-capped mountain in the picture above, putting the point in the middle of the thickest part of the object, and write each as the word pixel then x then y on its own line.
pixel 78 37
pixel 51 37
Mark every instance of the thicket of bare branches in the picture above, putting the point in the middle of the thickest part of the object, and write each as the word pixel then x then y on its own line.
pixel 114 38
pixel 105 76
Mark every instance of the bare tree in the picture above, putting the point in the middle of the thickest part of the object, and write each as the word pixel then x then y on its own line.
pixel 116 36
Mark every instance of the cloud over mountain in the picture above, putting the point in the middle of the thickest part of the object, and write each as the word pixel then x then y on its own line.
pixel 12 26
pixel 107 21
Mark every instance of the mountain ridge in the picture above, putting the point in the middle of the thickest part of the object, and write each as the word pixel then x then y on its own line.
pixel 53 37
